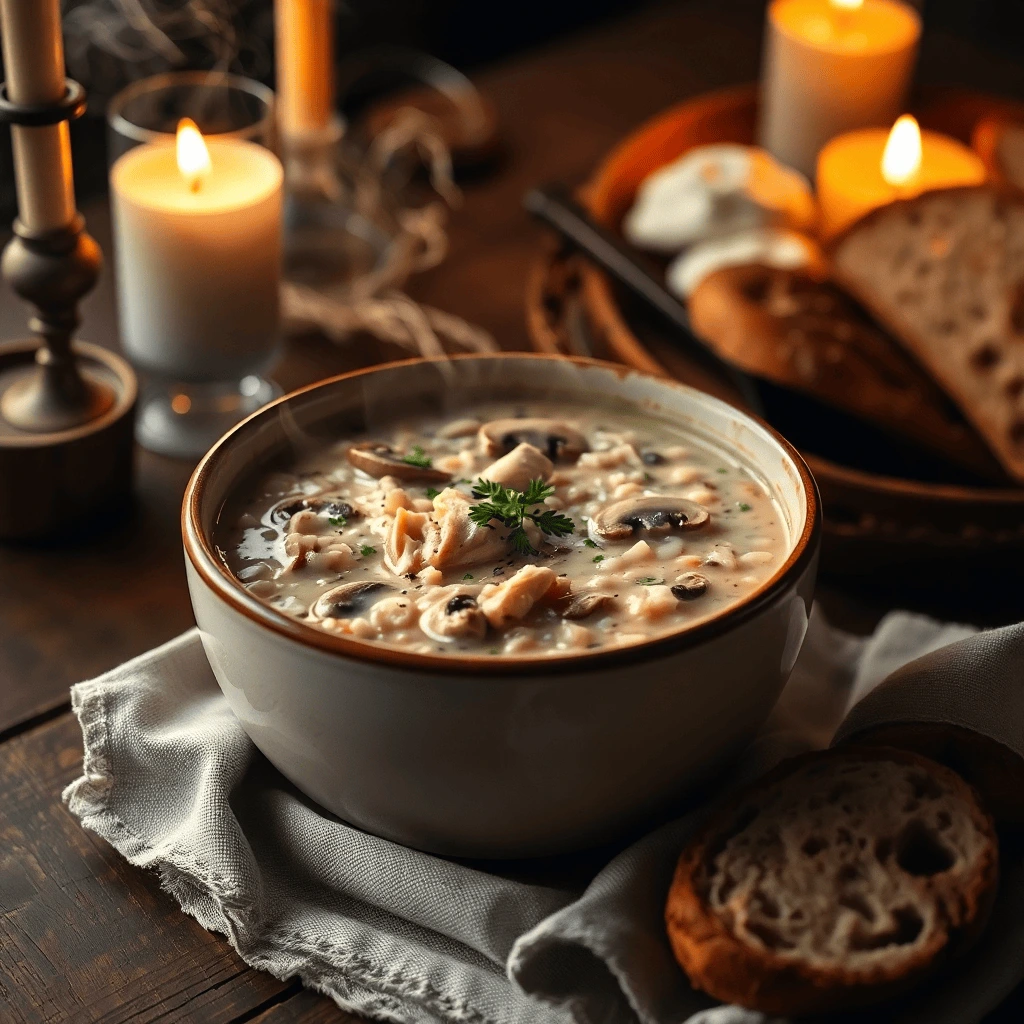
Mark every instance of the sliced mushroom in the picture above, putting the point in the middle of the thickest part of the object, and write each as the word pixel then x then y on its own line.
pixel 583 605
pixel 690 586
pixel 458 617
pixel 657 514
pixel 523 464
pixel 350 599
pixel 323 505
pixel 559 441
pixel 378 459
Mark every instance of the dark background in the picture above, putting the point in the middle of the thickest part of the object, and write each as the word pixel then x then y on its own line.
pixel 466 33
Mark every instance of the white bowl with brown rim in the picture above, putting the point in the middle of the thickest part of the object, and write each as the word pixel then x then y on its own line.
pixel 498 756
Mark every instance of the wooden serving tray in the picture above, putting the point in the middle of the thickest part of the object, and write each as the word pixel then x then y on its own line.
pixel 871 521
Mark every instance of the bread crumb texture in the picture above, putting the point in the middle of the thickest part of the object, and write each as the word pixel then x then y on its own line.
pixel 847 870
pixel 945 272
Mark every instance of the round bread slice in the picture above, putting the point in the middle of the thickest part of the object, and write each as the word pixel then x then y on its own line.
pixel 839 879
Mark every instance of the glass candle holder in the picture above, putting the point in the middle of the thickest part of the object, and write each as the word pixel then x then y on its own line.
pixel 198 258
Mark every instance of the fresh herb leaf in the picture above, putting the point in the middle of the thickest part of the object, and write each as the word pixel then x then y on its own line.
pixel 721 469
pixel 598 558
pixel 432 493
pixel 521 542
pixel 418 457
pixel 552 522
pixel 512 508
pixel 589 543
pixel 743 506
pixel 648 581
pixel 537 491
pixel 486 488
pixel 468 576
pixel 337 520
pixel 365 550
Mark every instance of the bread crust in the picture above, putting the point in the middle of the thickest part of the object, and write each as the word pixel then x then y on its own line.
pixel 729 969
pixel 807 333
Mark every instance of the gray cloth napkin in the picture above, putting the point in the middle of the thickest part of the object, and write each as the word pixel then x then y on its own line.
pixel 174 784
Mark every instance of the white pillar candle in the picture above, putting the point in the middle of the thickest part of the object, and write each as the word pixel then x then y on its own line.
pixel 198 256
pixel 34 68
pixel 832 66
pixel 304 46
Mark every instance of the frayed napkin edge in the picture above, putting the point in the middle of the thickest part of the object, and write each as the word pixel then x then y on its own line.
pixel 371 990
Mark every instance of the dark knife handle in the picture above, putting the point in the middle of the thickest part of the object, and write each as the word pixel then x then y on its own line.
pixel 554 205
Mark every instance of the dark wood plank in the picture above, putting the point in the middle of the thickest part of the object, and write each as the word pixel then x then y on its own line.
pixel 83 935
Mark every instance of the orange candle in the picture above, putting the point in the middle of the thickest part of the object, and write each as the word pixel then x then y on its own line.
pixel 832 66
pixel 304 31
pixel 863 170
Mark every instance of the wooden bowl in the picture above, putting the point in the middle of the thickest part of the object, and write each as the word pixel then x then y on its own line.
pixel 871 521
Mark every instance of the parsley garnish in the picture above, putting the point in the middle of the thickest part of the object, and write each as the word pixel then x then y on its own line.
pixel 512 508
pixel 721 470
pixel 744 507
pixel 598 558
pixel 648 581
pixel 337 520
pixel 589 543
pixel 468 576
pixel 432 493
pixel 418 457
pixel 365 550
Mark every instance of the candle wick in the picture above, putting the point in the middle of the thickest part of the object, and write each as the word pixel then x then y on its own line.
pixel 195 184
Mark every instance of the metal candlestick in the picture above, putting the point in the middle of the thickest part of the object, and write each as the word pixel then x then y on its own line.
pixel 66 408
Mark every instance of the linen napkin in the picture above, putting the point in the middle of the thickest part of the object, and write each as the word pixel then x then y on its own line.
pixel 171 780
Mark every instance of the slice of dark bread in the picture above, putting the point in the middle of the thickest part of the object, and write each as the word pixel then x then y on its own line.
pixel 793 328
pixel 841 878
pixel 944 272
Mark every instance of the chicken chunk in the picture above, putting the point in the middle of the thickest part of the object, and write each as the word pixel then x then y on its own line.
pixel 521 465
pixel 403 542
pixel 517 595
pixel 453 540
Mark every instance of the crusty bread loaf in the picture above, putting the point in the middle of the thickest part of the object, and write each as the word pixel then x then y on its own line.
pixel 945 274
pixel 793 328
pixel 841 878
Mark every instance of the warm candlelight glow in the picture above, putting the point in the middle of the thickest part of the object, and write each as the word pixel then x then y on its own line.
pixel 846 5
pixel 193 156
pixel 901 158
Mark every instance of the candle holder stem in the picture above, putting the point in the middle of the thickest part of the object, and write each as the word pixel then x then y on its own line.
pixel 53 270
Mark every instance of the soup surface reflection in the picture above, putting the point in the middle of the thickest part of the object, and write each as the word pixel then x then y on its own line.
pixel 525 531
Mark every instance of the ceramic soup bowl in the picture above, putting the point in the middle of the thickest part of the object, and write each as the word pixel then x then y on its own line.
pixel 497 757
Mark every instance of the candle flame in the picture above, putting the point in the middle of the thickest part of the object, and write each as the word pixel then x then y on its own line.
pixel 901 159
pixel 193 156
pixel 847 5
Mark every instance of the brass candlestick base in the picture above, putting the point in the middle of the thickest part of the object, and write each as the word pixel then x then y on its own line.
pixel 66 409
pixel 53 270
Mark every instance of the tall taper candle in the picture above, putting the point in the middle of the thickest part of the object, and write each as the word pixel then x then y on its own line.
pixel 34 68
pixel 305 65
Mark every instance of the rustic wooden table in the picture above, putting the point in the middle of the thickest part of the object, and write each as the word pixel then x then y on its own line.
pixel 85 937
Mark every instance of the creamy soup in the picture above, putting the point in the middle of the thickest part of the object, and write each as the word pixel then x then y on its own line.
pixel 513 530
